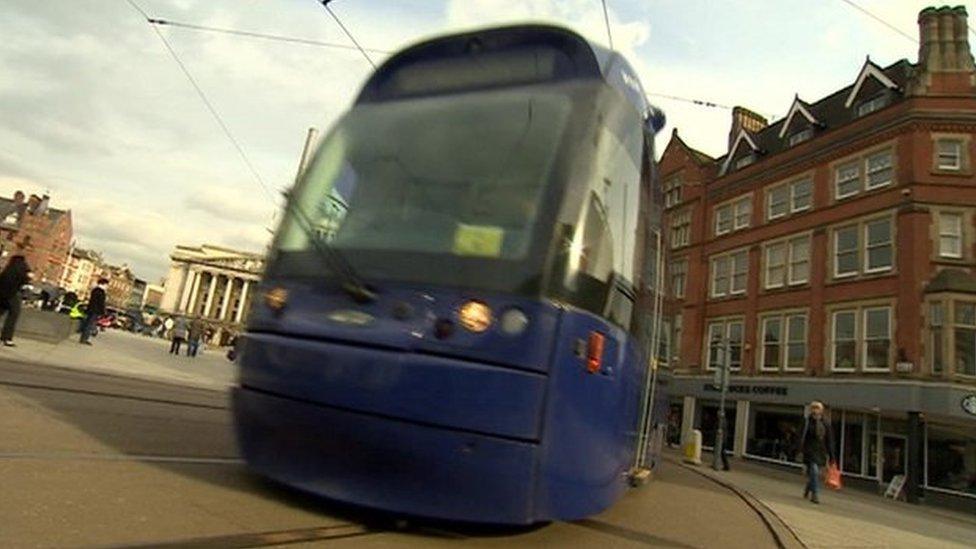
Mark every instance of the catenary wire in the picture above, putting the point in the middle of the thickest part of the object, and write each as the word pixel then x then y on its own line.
pixel 325 4
pixel 880 20
pixel 606 19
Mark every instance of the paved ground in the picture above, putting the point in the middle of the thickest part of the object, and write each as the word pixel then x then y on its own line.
pixel 88 459
pixel 130 355
pixel 850 517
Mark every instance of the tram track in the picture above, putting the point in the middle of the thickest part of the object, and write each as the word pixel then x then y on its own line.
pixel 263 539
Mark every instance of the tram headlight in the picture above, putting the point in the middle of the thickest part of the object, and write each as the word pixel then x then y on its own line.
pixel 475 316
pixel 513 322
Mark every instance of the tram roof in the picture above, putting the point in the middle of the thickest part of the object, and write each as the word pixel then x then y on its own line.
pixel 498 57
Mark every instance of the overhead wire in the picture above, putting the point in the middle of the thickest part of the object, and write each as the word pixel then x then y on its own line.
pixel 880 20
pixel 206 101
pixel 606 19
pixel 261 35
pixel 325 4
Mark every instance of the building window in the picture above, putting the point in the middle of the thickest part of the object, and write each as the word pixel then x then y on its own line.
pixel 784 342
pixel 868 106
pixel 877 338
pixel 845 252
pixel 876 247
pixel 672 192
pixel 679 272
pixel 801 194
pixel 965 336
pixel 801 136
pixel 777 202
pixel 845 340
pixel 676 340
pixel 730 273
pixel 847 180
pixel 799 268
pixel 951 458
pixel 733 216
pixel 745 161
pixel 878 169
pixel 774 432
pixel 936 320
pixel 949 154
pixel 866 344
pixel 776 265
pixel 950 235
pixel 681 229
pixel 718 333
pixel 879 252
pixel 788 262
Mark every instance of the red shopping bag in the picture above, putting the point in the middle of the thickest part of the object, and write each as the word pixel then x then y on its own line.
pixel 833 476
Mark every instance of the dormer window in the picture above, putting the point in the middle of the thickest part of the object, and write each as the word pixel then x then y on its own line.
pixel 745 161
pixel 801 136
pixel 875 103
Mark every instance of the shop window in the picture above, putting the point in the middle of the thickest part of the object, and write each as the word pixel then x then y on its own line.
pixel 965 336
pixel 774 432
pixel 708 424
pixel 951 459
pixel 852 443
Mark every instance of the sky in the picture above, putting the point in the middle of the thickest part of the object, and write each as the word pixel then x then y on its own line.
pixel 95 111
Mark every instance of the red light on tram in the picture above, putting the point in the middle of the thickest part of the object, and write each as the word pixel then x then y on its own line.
pixel 594 352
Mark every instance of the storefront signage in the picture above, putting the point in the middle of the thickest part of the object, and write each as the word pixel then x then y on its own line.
pixel 743 389
pixel 969 404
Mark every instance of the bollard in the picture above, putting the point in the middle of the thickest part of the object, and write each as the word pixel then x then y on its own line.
pixel 693 447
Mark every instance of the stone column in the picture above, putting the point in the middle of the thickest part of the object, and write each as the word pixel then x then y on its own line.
pixel 228 289
pixel 741 428
pixel 194 290
pixel 211 290
pixel 246 284
pixel 687 418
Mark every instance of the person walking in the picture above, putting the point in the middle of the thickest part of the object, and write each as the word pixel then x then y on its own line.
pixel 13 277
pixel 178 336
pixel 194 335
pixel 94 311
pixel 816 445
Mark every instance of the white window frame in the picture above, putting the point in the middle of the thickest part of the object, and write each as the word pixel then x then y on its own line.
pixel 866 246
pixel 745 161
pixel 672 191
pixel 837 180
pixel 833 340
pixel 836 254
pixel 733 272
pixel 955 326
pixel 788 322
pixel 799 137
pixel 726 324
pixel 872 104
pixel 681 226
pixel 718 216
pixel 867 169
pixel 730 260
pixel 769 202
pixel 713 275
pixel 772 282
pixel 939 155
pixel 793 186
pixel 762 342
pixel 863 340
pixel 791 261
pixel 957 235
pixel 742 208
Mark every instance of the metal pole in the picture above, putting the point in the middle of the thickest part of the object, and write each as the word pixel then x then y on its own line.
pixel 720 430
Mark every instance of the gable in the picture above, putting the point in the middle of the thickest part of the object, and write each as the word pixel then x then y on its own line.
pixel 798 118
pixel 870 74
pixel 735 153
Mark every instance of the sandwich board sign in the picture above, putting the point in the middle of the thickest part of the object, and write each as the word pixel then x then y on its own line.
pixel 895 487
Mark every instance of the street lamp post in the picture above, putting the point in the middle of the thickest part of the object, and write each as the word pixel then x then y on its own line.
pixel 722 347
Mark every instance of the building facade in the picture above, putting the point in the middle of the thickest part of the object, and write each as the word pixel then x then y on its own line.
pixel 152 298
pixel 120 283
pixel 30 226
pixel 212 283
pixel 81 272
pixel 833 253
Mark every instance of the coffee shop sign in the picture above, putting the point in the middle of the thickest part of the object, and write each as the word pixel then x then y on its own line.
pixel 745 389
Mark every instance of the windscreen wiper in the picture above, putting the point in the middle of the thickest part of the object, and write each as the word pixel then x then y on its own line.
pixel 352 283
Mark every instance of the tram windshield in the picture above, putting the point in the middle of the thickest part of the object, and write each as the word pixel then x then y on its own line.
pixel 461 176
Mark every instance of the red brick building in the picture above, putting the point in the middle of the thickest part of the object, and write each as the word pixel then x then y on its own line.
pixel 835 249
pixel 44 232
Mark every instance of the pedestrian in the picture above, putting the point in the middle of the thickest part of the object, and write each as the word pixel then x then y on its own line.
pixel 816 445
pixel 194 335
pixel 178 336
pixel 94 311
pixel 13 277
pixel 167 327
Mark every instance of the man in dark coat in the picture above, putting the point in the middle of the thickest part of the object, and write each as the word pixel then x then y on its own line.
pixel 95 310
pixel 817 443
pixel 13 277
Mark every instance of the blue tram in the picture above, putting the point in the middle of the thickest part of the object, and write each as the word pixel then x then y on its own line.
pixel 459 314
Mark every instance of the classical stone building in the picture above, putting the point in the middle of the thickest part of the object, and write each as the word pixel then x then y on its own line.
pixel 834 252
pixel 31 226
pixel 213 283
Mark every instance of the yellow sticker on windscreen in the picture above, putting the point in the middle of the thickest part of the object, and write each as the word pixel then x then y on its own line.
pixel 483 240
